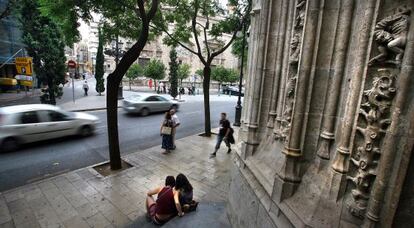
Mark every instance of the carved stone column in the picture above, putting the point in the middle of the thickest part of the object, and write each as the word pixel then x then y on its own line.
pixel 259 19
pixel 284 70
pixel 358 73
pixel 301 62
pixel 392 137
pixel 282 19
pixel 335 81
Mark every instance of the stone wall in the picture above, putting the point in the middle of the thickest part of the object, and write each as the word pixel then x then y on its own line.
pixel 327 121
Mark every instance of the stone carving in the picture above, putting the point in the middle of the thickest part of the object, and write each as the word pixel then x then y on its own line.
pixel 391 36
pixel 294 55
pixel 373 122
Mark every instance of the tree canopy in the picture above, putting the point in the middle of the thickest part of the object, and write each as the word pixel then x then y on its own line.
pixel 155 70
pixel 222 74
pixel 134 71
pixel 44 42
pixel 199 27
pixel 183 71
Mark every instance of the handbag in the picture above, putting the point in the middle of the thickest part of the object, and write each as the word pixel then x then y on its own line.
pixel 166 130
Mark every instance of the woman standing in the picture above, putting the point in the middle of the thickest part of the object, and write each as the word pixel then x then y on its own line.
pixel 166 133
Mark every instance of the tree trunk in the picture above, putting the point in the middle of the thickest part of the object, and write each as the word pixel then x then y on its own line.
pixel 130 85
pixel 112 120
pixel 113 82
pixel 206 88
pixel 51 86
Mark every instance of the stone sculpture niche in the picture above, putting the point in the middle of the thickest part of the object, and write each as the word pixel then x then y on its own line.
pixel 374 114
pixel 294 54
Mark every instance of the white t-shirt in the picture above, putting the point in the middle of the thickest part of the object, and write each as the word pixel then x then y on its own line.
pixel 175 119
pixel 85 86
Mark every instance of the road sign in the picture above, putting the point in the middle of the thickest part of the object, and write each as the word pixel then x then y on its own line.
pixel 72 66
pixel 24 65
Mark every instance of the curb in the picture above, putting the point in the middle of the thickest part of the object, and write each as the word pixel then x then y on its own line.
pixel 89 109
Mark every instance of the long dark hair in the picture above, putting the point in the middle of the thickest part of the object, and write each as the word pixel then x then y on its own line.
pixel 167 116
pixel 181 182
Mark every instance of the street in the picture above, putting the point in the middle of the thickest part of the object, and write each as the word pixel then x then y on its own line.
pixel 44 159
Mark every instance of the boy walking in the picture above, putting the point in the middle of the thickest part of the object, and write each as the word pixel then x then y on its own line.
pixel 86 88
pixel 225 134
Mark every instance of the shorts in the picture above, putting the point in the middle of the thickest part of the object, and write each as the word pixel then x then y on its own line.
pixel 153 216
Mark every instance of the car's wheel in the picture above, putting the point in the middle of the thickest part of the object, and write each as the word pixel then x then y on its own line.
pixel 86 131
pixel 10 145
pixel 145 112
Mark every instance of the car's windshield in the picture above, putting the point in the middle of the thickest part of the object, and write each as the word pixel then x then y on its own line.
pixel 134 97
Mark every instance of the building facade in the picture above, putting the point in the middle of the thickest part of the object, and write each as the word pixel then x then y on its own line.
pixel 156 49
pixel 328 117
pixel 10 43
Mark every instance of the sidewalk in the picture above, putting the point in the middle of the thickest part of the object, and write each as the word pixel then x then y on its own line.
pixel 84 198
pixel 11 98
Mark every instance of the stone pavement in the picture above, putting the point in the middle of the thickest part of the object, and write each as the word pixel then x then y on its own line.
pixel 84 198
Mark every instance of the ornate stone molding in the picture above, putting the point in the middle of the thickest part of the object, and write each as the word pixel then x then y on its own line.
pixel 372 124
pixel 375 115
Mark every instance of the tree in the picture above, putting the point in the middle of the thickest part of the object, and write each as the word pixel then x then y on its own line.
pixel 99 66
pixel 191 19
pixel 44 42
pixel 173 73
pixel 183 72
pixel 133 73
pixel 222 74
pixel 155 70
pixel 130 19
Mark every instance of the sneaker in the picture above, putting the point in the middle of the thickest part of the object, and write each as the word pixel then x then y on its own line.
pixel 228 151
pixel 212 155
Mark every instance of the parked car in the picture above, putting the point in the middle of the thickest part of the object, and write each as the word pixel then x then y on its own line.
pixel 145 104
pixel 22 124
pixel 234 90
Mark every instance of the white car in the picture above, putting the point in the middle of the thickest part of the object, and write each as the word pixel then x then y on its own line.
pixel 29 123
pixel 145 104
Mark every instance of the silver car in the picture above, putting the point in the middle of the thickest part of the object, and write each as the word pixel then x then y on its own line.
pixel 29 123
pixel 145 104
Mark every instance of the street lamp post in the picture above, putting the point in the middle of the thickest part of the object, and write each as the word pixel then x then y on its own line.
pixel 117 52
pixel 239 106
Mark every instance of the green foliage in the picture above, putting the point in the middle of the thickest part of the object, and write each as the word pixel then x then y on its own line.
pixel 155 70
pixel 99 67
pixel 116 17
pixel 237 47
pixel 183 71
pixel 200 72
pixel 66 13
pixel 134 71
pixel 173 73
pixel 222 74
pixel 44 42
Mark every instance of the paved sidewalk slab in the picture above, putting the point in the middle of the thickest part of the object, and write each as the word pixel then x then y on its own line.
pixel 84 198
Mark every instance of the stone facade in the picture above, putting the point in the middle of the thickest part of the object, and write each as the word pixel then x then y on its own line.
pixel 328 118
